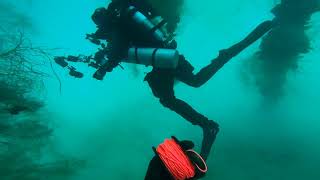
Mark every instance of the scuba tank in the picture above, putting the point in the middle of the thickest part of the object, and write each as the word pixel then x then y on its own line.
pixel 159 58
pixel 145 25
pixel 157 55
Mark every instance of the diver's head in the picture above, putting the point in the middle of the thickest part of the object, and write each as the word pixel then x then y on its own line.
pixel 99 16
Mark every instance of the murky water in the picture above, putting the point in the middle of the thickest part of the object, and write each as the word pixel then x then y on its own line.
pixel 111 125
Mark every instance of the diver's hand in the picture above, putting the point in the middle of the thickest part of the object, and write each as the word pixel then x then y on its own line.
pixel 100 74
pixel 107 67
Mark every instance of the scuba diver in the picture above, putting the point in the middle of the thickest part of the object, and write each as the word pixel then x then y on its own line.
pixel 134 32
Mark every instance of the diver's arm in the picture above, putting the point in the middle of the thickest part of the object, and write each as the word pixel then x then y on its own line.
pixel 100 34
pixel 109 58
pixel 108 66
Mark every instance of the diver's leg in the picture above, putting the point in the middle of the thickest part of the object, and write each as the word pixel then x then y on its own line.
pixel 210 128
pixel 205 74
pixel 161 82
pixel 184 110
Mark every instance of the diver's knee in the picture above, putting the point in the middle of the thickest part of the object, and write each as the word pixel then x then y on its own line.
pixel 196 82
pixel 168 102
pixel 193 81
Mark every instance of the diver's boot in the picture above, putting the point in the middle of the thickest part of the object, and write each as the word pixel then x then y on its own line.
pixel 210 131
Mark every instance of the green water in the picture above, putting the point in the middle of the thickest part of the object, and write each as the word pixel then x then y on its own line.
pixel 112 125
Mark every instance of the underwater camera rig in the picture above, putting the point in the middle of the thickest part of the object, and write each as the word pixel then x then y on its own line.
pixel 64 62
pixel 94 61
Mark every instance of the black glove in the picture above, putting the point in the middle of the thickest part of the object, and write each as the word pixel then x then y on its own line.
pixel 107 67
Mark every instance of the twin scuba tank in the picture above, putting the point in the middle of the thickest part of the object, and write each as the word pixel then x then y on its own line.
pixel 157 57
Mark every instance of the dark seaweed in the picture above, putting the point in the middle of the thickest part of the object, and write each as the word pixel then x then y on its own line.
pixel 281 50
pixel 25 135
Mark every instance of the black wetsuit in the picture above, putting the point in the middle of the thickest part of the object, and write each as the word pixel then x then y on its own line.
pixel 162 81
pixel 157 171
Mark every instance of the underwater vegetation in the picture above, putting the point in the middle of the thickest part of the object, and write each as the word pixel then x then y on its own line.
pixel 283 48
pixel 20 61
pixel 23 143
pixel 18 74
pixel 24 133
